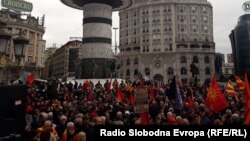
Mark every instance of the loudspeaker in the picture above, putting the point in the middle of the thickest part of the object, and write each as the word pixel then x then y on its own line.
pixel 12 109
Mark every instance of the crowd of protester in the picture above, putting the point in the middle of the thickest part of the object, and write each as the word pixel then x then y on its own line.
pixel 69 111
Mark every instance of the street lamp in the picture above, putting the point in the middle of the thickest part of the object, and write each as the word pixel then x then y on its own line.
pixel 20 46
pixel 4 38
pixel 115 28
pixel 116 61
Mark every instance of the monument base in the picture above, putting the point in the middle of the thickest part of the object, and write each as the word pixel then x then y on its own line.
pixel 95 68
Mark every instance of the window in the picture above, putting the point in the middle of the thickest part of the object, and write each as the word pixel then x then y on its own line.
pixel 170 71
pixel 181 18
pixel 193 18
pixel 195 59
pixel 181 9
pixel 134 13
pixel 207 60
pixel 204 9
pixel 183 71
pixel 183 59
pixel 193 9
pixel 18 30
pixel 136 72
pixel 134 22
pixel 194 28
pixel 10 30
pixel 207 71
pixel 128 62
pixel 128 72
pixel 205 19
pixel 136 61
pixel 206 28
pixel 147 71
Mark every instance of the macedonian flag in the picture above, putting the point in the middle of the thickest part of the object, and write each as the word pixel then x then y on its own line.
pixel 215 100
pixel 240 83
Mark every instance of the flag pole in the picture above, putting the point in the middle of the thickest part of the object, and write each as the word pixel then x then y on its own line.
pixel 164 105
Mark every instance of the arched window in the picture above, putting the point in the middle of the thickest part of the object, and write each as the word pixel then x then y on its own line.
pixel 183 59
pixel 128 62
pixel 128 72
pixel 147 71
pixel 136 72
pixel 207 71
pixel 206 59
pixel 158 78
pixel 136 61
pixel 195 59
pixel 170 71
pixel 183 71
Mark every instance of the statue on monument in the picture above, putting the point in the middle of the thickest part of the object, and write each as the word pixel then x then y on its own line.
pixel 193 69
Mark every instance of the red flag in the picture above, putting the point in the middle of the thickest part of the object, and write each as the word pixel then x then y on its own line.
pixel 119 95
pixel 247 101
pixel 144 118
pixel 131 99
pixel 151 93
pixel 90 96
pixel 215 99
pixel 239 82
pixel 30 79
pixel 91 92
pixel 191 100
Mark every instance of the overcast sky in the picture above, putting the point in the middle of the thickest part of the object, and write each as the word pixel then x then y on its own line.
pixel 63 22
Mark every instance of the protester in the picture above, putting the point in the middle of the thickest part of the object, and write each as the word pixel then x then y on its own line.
pixel 74 109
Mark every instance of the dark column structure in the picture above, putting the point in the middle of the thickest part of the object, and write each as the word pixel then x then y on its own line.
pixel 97 58
pixel 240 40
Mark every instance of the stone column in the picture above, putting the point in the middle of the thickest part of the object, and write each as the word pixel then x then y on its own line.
pixel 97 58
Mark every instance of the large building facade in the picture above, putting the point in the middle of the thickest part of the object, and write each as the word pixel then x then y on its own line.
pixel 240 41
pixel 33 28
pixel 62 63
pixel 162 38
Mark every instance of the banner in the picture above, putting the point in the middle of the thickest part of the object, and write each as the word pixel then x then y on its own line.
pixel 141 100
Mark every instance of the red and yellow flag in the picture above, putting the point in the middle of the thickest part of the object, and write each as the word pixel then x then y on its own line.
pixel 129 87
pixel 215 99
pixel 230 89
pixel 247 101
pixel 240 83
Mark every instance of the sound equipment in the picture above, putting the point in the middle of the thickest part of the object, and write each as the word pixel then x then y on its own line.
pixel 12 110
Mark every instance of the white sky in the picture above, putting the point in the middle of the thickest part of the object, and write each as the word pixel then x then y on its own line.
pixel 63 22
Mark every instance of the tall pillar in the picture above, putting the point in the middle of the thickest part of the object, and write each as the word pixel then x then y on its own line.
pixel 97 60
pixel 97 57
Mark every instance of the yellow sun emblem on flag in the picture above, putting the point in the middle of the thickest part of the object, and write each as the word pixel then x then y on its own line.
pixel 212 94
